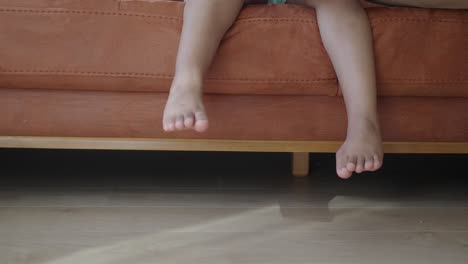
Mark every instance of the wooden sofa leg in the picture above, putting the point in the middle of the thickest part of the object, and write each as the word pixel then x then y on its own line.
pixel 300 164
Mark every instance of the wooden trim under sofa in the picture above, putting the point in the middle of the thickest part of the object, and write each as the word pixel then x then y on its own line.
pixel 299 149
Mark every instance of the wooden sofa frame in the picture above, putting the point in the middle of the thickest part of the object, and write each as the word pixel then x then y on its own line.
pixel 300 149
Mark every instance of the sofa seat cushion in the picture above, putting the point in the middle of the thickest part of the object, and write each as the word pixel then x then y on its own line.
pixel 54 113
pixel 115 45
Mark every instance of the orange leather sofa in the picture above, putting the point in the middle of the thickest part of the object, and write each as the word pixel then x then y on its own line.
pixel 85 74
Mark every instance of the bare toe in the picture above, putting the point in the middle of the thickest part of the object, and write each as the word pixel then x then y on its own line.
pixel 171 126
pixel 351 166
pixel 377 163
pixel 168 124
pixel 340 164
pixel 344 173
pixel 179 124
pixel 189 120
pixel 369 164
pixel 360 165
pixel 201 121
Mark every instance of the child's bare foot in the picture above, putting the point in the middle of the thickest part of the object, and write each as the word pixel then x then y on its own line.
pixel 362 150
pixel 184 107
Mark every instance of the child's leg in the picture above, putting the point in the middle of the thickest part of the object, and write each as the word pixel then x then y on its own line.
pixel 205 23
pixel 346 34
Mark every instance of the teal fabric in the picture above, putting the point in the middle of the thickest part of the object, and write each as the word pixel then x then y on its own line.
pixel 277 2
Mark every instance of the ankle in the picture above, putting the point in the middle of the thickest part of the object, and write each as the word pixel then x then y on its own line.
pixel 363 123
pixel 189 81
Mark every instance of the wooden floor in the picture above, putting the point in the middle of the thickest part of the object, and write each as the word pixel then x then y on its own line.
pixel 103 207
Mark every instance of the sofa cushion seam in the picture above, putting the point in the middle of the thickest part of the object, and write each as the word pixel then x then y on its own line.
pixel 149 75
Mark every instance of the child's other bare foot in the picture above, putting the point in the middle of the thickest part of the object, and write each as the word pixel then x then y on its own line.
pixel 184 108
pixel 362 150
